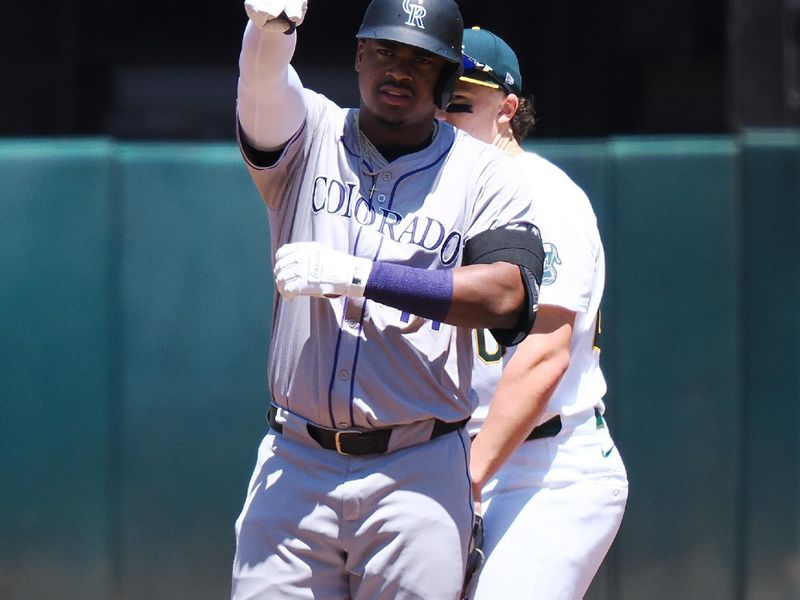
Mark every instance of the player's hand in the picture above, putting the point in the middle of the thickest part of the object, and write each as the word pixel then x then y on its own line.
pixel 269 14
pixel 311 269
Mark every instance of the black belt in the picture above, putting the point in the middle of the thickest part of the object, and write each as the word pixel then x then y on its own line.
pixel 359 442
pixel 552 427
pixel 548 429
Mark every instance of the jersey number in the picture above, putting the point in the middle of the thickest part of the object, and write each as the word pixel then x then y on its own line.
pixel 487 349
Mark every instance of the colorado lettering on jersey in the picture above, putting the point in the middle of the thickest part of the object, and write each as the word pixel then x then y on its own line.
pixel 337 198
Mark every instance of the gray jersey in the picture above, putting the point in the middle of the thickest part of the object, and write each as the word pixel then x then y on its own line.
pixel 347 362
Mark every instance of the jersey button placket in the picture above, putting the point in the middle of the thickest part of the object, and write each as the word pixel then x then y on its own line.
pixel 382 197
pixel 343 376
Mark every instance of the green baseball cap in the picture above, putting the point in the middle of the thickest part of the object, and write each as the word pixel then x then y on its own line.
pixel 489 61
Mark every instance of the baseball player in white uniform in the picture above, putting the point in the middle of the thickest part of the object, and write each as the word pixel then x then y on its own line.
pixel 552 485
pixel 393 235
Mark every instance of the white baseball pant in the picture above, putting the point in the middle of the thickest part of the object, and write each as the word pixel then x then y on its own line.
pixel 551 513
pixel 317 524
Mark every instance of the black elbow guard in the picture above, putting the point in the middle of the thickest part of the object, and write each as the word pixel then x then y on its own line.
pixel 522 247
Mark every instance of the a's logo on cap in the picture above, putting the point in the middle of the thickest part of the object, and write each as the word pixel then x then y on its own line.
pixel 509 80
pixel 415 12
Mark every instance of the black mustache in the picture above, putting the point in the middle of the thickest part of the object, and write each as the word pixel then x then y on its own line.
pixel 395 84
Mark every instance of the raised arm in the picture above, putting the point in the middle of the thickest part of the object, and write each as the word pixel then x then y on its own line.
pixel 270 95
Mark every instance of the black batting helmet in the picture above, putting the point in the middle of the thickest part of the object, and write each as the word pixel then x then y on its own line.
pixel 433 25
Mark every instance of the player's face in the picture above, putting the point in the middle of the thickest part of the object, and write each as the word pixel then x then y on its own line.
pixel 396 84
pixel 476 109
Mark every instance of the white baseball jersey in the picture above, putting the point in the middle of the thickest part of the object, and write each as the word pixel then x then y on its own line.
pixel 348 362
pixel 550 489
pixel 574 276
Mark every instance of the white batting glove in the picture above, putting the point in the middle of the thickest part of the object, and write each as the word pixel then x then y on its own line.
pixel 311 269
pixel 265 13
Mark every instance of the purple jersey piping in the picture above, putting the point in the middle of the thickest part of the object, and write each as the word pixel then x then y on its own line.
pixel 363 308
pixel 344 312
pixel 278 297
pixel 336 350
pixel 355 155
pixel 244 146
pixel 358 343
pixel 410 173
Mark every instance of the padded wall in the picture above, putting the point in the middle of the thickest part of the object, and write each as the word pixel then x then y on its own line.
pixel 135 299
pixel 55 326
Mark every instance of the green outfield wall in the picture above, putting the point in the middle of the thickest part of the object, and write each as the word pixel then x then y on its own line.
pixel 135 295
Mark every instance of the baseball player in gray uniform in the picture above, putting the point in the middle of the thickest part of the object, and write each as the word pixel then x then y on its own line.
pixel 393 235
pixel 552 485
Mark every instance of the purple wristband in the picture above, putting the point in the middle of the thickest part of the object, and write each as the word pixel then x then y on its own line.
pixel 422 292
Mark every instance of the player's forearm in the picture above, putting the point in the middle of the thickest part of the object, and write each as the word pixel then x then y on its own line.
pixel 527 382
pixel 270 95
pixel 486 296
pixel 515 409
pixel 474 296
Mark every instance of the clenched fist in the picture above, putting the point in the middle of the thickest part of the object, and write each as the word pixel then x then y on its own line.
pixel 265 13
pixel 311 269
